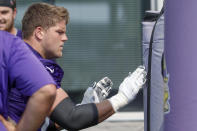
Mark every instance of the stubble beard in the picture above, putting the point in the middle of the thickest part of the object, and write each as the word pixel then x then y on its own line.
pixel 10 26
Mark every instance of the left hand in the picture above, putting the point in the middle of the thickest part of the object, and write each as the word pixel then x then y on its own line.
pixel 9 124
pixel 98 92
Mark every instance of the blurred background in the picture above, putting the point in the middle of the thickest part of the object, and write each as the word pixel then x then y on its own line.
pixel 104 40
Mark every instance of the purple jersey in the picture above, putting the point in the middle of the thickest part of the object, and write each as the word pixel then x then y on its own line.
pixel 20 70
pixel 19 33
pixel 51 66
pixel 17 101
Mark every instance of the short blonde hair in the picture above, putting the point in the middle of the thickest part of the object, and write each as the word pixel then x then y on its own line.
pixel 43 15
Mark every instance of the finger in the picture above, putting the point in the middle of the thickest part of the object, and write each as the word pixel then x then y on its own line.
pixel 142 67
pixel 108 81
pixel 138 71
pixel 11 121
pixel 136 74
pixel 3 120
pixel 9 125
pixel 108 89
pixel 94 85
pixel 105 82
pixel 141 79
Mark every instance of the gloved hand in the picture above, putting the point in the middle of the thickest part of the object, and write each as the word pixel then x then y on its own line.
pixel 133 83
pixel 129 88
pixel 98 92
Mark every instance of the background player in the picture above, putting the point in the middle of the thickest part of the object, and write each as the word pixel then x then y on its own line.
pixel 7 15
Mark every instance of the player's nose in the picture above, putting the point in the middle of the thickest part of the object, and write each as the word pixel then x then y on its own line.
pixel 64 38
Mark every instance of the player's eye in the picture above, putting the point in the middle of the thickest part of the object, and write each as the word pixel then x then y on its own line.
pixel 4 12
pixel 61 32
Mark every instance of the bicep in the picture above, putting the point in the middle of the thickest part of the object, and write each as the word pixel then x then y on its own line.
pixel 60 95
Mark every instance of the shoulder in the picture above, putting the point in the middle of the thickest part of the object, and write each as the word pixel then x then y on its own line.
pixel 52 67
pixel 54 70
pixel 9 44
pixel 6 39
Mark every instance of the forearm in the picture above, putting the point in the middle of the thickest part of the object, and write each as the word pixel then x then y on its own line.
pixel 37 109
pixel 72 117
pixel 105 110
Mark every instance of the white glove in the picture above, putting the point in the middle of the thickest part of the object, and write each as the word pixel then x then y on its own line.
pixel 129 88
pixel 98 92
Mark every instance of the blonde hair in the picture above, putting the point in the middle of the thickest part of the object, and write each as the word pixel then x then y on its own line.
pixel 43 15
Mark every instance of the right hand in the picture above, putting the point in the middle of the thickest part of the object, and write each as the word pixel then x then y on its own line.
pixel 133 83
pixel 103 88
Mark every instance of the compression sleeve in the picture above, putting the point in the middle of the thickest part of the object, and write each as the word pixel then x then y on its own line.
pixel 72 117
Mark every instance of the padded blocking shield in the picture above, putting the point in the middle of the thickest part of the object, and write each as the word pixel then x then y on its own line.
pixel 154 93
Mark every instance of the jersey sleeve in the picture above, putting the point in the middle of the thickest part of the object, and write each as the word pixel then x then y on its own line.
pixel 27 74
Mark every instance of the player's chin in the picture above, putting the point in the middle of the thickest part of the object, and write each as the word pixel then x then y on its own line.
pixel 60 54
pixel 3 28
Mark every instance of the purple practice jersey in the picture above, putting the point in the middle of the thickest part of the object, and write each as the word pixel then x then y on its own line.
pixel 17 101
pixel 19 33
pixel 51 66
pixel 20 70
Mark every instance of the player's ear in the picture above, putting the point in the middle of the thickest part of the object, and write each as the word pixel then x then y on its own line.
pixel 39 32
